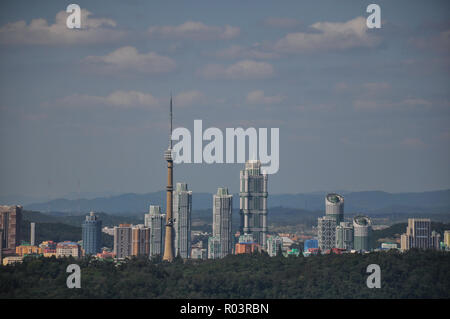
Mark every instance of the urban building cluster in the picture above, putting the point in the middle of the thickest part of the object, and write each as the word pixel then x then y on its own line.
pixel 168 235
pixel 13 250
pixel 334 234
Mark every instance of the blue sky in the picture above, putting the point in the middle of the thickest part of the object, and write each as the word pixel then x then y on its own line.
pixel 357 109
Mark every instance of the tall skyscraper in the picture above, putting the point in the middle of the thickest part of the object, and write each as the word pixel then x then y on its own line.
pixel 334 207
pixel 182 209
pixel 122 241
pixel 155 221
pixel 140 236
pixel 32 234
pixel 326 232
pixel 222 211
pixel 253 201
pixel 169 236
pixel 344 236
pixel 362 233
pixel 419 235
pixel 92 234
pixel 10 219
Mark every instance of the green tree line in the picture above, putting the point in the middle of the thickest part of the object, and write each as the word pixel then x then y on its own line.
pixel 413 274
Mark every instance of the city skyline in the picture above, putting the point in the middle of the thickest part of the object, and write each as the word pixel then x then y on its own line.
pixel 79 107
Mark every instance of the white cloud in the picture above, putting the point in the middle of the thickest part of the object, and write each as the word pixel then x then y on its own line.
pixel 128 58
pixel 117 99
pixel 236 51
pixel 189 98
pixel 376 87
pixel 258 97
pixel 329 36
pixel 40 32
pixel 195 30
pixel 121 99
pixel 406 104
pixel 281 22
pixel 246 69
pixel 132 99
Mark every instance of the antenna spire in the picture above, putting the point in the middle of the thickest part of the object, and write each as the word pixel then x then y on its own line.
pixel 170 132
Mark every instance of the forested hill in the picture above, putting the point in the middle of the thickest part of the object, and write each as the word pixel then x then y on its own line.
pixel 414 274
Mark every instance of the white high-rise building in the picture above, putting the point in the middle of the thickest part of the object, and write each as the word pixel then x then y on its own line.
pixel 334 207
pixel 274 245
pixel 344 236
pixel 362 232
pixel 182 210
pixel 122 241
pixel 156 222
pixel 33 234
pixel 419 235
pixel 214 248
pixel 253 201
pixel 222 210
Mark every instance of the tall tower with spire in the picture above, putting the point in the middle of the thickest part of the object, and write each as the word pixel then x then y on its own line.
pixel 169 244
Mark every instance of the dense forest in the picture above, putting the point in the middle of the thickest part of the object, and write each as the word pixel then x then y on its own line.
pixel 413 274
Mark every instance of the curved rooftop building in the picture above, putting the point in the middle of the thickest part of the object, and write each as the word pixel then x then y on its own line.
pixel 92 234
pixel 362 228
pixel 334 207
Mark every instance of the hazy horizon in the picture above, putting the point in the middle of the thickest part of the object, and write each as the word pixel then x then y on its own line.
pixel 358 109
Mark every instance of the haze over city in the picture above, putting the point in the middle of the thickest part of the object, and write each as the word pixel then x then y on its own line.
pixel 87 110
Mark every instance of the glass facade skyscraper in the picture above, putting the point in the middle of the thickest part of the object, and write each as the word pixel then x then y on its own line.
pixel 362 228
pixel 92 234
pixel 222 210
pixel 182 210
pixel 253 202
pixel 156 222
pixel 344 236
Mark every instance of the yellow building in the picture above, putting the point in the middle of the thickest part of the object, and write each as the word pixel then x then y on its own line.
pixel 11 260
pixel 23 250
pixel 447 238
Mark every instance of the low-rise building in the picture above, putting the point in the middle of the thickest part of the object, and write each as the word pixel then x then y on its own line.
pixel 12 259
pixel 287 243
pixel 198 253
pixel 292 252
pixel 26 249
pixel 246 248
pixel 67 249
pixel 48 248
pixel 387 246
pixel 447 239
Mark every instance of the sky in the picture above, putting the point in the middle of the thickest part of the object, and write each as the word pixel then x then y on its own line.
pixel 357 108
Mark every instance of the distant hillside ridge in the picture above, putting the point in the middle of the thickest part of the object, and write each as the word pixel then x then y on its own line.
pixel 367 201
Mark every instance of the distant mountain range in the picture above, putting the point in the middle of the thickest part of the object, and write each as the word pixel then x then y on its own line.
pixel 437 202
